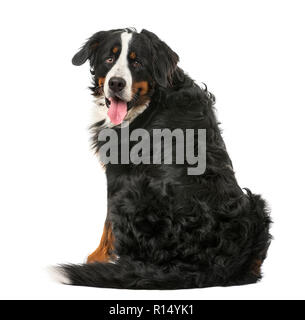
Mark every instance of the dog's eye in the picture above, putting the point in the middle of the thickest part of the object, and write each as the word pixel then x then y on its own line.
pixel 136 64
pixel 110 60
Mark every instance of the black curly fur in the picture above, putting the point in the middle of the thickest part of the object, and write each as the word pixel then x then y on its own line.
pixel 173 230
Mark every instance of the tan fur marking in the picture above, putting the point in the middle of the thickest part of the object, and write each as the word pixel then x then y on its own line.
pixel 94 45
pixel 106 246
pixel 256 267
pixel 132 55
pixel 101 82
pixel 115 49
pixel 143 85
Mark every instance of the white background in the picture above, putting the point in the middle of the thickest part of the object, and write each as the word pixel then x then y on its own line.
pixel 53 192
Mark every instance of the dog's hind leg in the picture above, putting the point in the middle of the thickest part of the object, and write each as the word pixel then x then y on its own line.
pixel 104 251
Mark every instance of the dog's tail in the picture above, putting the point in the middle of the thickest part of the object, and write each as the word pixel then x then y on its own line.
pixel 125 274
pixel 128 274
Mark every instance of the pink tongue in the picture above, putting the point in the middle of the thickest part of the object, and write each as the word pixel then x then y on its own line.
pixel 117 111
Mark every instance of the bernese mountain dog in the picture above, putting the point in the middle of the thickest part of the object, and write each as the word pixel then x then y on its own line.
pixel 165 229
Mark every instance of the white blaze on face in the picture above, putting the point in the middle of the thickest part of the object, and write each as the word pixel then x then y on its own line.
pixel 121 69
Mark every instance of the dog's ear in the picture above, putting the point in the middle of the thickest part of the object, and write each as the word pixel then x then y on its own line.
pixel 88 49
pixel 165 60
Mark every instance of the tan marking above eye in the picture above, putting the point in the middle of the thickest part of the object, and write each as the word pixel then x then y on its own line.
pixel 94 45
pixel 132 55
pixel 143 85
pixel 101 81
pixel 115 49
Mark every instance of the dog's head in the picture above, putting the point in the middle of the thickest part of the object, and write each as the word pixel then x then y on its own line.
pixel 127 67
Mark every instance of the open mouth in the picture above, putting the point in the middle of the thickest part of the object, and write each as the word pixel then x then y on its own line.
pixel 117 109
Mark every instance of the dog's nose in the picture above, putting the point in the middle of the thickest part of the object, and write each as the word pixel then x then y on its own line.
pixel 116 84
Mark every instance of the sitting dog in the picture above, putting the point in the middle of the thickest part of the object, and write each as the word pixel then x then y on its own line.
pixel 165 228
